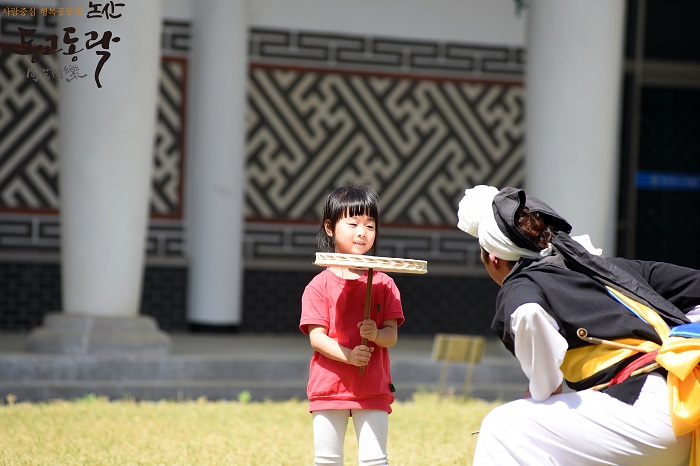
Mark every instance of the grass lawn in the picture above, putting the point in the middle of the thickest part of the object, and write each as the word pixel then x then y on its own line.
pixel 429 430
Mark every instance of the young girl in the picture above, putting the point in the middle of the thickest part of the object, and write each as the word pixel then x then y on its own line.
pixel 333 316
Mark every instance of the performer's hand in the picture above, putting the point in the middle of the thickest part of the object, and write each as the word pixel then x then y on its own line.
pixel 555 392
pixel 359 355
pixel 368 329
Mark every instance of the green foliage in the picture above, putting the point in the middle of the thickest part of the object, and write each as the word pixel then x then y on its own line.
pixel 91 398
pixel 245 397
pixel 96 431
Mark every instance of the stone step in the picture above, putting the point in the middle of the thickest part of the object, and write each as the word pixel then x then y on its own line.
pixel 274 368
pixel 31 367
pixel 33 378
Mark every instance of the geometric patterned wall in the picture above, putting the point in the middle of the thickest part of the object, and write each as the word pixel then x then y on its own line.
pixel 421 141
pixel 418 119
pixel 421 120
pixel 29 128
pixel 29 163
pixel 29 159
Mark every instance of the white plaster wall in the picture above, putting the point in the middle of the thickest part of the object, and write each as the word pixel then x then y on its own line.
pixel 491 22
pixel 484 21
pixel 178 9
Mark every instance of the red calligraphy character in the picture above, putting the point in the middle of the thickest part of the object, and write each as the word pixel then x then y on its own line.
pixel 70 42
pixel 93 42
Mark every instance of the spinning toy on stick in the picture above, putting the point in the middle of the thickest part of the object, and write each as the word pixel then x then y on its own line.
pixel 370 263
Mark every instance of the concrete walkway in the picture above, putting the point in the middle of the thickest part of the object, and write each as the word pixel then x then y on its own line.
pixel 225 366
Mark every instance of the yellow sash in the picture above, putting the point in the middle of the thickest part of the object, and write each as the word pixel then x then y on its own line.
pixel 678 355
pixel 581 363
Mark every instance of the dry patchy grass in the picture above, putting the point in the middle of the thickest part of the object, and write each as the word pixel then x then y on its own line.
pixel 94 431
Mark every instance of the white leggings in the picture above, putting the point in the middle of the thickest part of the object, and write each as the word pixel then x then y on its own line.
pixel 371 427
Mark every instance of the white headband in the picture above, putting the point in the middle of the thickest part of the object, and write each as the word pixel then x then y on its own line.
pixel 476 217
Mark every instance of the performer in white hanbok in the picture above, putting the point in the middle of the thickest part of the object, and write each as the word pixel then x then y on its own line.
pixel 618 331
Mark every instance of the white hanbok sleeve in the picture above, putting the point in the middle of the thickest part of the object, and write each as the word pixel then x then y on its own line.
pixel 694 314
pixel 540 349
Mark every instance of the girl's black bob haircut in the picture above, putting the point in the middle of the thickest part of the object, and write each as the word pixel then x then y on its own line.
pixel 348 201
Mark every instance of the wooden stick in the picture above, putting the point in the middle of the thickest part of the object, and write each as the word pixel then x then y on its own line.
pixel 582 333
pixel 650 368
pixel 368 302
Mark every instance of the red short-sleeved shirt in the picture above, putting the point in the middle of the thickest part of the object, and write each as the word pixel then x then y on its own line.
pixel 338 304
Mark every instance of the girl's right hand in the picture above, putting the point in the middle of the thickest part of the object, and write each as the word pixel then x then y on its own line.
pixel 359 355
